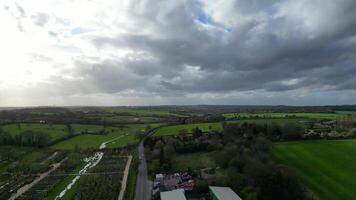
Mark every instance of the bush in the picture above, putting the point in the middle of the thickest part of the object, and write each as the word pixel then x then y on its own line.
pixel 201 186
pixel 292 132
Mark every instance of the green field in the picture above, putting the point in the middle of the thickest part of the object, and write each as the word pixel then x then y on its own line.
pixel 187 128
pixel 119 136
pixel 143 111
pixel 216 126
pixel 328 168
pixel 54 131
pixel 306 115
pixel 194 161
pixel 267 121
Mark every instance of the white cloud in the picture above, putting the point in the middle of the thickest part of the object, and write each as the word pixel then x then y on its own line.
pixel 135 51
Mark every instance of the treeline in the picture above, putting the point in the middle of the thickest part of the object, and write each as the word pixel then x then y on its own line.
pixel 26 138
pixel 220 109
pixel 65 116
pixel 32 138
pixel 273 131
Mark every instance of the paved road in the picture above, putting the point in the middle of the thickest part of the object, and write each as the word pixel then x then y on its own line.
pixel 143 189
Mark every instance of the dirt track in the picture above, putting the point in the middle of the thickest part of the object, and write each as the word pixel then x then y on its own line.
pixel 23 189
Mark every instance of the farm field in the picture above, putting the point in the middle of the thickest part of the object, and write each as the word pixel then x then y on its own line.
pixel 326 167
pixel 61 183
pixel 133 119
pixel 143 111
pixel 206 127
pixel 25 163
pixel 314 115
pixel 103 181
pixel 187 128
pixel 267 121
pixel 125 117
pixel 54 131
pixel 119 136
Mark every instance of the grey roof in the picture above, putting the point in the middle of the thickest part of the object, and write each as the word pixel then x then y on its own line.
pixel 224 193
pixel 173 195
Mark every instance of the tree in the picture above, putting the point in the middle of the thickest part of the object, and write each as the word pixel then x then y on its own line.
pixel 183 131
pixel 70 129
pixel 42 139
pixel 280 184
pixel 169 152
pixel 224 157
pixel 197 132
pixel 248 193
pixel 201 186
pixel 235 180
pixel 6 138
pixel 148 127
pixel 292 131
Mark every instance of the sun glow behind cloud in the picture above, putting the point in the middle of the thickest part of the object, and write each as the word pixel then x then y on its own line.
pixel 39 40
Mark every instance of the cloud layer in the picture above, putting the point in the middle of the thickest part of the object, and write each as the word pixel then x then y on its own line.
pixel 138 52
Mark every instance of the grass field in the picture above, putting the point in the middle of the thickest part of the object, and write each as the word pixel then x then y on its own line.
pixel 143 111
pixel 54 131
pixel 328 168
pixel 194 161
pixel 123 136
pixel 330 116
pixel 266 121
pixel 187 128
pixel 217 126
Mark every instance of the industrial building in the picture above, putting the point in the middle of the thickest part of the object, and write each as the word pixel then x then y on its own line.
pixel 173 195
pixel 222 193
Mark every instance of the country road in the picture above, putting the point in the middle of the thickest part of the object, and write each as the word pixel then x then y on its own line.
pixel 142 186
pixel 143 189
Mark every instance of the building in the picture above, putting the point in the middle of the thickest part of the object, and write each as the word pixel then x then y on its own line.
pixel 159 177
pixel 173 195
pixel 167 182
pixel 222 193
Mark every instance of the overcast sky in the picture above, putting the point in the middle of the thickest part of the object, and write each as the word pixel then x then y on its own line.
pixel 153 52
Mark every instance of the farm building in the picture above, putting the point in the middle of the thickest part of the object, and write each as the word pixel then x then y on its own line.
pixel 173 195
pixel 222 193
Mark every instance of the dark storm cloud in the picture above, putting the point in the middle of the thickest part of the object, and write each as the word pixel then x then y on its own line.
pixel 188 51
pixel 276 53
pixel 275 46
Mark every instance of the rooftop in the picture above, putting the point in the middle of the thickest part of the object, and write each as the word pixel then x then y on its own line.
pixel 224 193
pixel 173 195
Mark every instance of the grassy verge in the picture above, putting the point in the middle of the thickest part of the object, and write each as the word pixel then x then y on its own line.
pixel 131 185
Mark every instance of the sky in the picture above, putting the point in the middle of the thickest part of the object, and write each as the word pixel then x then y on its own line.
pixel 159 52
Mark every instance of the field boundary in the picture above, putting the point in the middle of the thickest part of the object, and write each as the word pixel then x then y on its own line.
pixel 124 178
